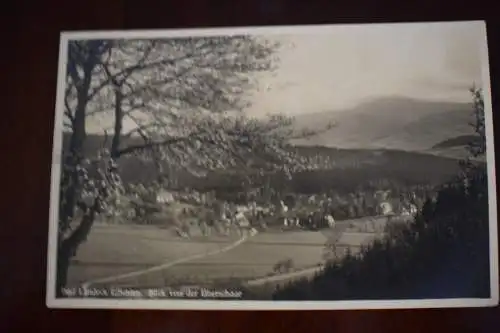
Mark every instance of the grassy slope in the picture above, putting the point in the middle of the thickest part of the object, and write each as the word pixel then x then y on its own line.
pixel 390 130
pixel 395 123
pixel 351 167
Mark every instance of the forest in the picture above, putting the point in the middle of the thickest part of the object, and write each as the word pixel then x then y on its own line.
pixel 443 253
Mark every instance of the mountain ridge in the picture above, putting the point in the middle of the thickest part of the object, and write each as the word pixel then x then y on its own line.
pixel 396 123
pixel 346 168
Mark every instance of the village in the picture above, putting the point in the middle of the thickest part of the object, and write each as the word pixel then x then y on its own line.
pixel 187 210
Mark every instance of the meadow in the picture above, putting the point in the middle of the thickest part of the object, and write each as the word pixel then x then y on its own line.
pixel 118 249
pixel 113 250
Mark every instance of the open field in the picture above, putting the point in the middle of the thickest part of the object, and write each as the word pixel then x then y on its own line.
pixel 121 249
pixel 113 250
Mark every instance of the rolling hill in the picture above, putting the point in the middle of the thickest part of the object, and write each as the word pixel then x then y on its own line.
pixel 390 123
pixel 407 140
pixel 348 169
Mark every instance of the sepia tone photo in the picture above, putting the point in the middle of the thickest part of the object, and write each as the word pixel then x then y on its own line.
pixel 307 167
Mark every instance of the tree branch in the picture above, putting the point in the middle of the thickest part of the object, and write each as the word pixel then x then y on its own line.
pixel 67 109
pixel 162 82
pixel 68 114
pixel 73 72
pixel 140 66
pixel 140 129
pixel 72 61
pixel 153 144
pixel 105 140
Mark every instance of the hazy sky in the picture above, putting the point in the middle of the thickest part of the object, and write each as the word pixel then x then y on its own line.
pixel 343 66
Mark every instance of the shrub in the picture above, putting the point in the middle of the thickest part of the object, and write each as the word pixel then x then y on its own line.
pixel 455 224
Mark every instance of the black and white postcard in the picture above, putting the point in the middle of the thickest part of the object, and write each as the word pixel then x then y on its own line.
pixel 292 167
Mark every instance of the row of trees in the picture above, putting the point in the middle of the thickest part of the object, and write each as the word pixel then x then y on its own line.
pixel 183 98
pixel 448 239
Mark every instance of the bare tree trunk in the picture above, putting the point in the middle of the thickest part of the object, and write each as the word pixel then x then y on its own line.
pixel 70 184
pixel 68 247
pixel 162 178
pixel 115 145
pixel 63 261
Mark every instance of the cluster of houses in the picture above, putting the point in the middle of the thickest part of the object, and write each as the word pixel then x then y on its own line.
pixel 310 212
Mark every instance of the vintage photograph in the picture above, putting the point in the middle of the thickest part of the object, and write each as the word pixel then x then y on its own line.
pixel 304 167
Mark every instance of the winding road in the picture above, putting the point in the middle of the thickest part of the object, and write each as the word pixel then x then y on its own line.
pixel 332 235
pixel 167 264
pixel 277 278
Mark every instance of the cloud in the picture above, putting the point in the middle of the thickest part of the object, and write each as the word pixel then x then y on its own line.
pixel 342 67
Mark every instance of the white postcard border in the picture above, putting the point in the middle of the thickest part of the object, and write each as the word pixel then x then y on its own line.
pixel 86 303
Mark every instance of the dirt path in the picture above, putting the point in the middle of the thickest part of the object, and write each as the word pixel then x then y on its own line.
pixel 333 237
pixel 167 264
pixel 280 277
